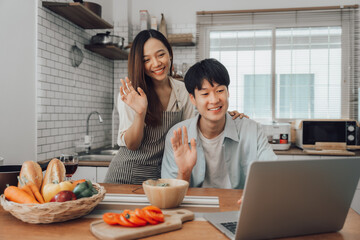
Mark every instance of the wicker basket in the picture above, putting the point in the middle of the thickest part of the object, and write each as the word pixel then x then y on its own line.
pixel 54 211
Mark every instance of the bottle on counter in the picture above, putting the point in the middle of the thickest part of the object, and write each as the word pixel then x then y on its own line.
pixel 162 27
pixel 144 20
pixel 154 23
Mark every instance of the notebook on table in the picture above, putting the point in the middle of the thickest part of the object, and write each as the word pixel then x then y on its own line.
pixel 292 198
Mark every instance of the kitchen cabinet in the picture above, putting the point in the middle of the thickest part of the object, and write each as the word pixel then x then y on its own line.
pixel 93 173
pixel 77 14
pixel 108 51
pixel 85 173
pixel 101 173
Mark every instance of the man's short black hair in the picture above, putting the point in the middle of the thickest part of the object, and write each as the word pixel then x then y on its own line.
pixel 208 69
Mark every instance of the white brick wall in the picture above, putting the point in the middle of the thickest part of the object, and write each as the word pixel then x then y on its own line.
pixel 65 94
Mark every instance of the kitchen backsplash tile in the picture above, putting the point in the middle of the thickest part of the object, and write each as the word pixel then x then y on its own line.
pixel 66 95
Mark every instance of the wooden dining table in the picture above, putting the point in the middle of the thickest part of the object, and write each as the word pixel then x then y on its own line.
pixel 13 229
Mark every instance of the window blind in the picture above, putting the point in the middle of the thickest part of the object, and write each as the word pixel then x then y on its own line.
pixel 286 65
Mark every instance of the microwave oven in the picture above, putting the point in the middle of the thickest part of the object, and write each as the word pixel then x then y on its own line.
pixel 310 131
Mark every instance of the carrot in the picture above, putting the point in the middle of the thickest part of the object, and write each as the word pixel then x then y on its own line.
pixel 36 192
pixel 77 182
pixel 25 187
pixel 15 194
pixel 33 189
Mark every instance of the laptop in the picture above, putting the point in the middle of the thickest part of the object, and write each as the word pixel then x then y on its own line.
pixel 292 198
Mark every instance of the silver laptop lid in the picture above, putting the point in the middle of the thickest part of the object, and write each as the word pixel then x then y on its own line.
pixel 297 197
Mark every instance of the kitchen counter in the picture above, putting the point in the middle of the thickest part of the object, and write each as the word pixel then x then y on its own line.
pixel 298 151
pixel 292 151
pixel 44 163
pixel 13 229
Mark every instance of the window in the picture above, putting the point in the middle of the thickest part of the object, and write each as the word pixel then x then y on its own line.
pixel 296 96
pixel 286 66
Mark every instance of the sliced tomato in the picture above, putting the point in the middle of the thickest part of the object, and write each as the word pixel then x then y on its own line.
pixel 152 208
pixel 154 215
pixel 111 218
pixel 131 216
pixel 140 213
pixel 124 222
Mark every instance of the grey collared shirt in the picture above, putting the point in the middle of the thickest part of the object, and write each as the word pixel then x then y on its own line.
pixel 244 142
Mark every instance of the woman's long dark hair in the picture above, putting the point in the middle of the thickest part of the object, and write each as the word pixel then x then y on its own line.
pixel 138 78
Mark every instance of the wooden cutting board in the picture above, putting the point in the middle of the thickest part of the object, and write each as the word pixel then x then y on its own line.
pixel 173 221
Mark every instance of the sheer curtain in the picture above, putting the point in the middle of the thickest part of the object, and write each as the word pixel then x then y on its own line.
pixel 286 65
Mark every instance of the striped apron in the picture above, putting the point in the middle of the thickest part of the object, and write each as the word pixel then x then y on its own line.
pixel 134 167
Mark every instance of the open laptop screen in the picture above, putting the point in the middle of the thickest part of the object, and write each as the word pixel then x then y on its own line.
pixel 296 197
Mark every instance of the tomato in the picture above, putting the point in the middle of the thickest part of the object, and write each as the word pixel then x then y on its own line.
pixel 63 196
pixel 140 213
pixel 123 221
pixel 154 215
pixel 139 217
pixel 153 208
pixel 111 218
pixel 135 219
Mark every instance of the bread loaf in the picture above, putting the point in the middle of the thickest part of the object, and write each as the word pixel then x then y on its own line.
pixel 55 171
pixel 31 171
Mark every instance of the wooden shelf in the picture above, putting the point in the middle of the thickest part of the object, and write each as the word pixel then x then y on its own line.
pixel 181 39
pixel 108 51
pixel 78 14
pixel 182 44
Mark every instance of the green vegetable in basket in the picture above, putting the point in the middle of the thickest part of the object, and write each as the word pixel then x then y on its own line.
pixel 84 189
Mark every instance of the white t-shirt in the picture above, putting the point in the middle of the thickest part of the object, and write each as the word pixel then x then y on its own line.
pixel 216 174
pixel 179 98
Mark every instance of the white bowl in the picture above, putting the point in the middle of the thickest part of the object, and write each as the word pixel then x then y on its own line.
pixel 165 193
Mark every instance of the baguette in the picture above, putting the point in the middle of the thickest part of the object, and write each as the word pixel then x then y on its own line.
pixel 31 171
pixel 55 171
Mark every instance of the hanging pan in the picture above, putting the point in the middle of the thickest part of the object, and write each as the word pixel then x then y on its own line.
pixel 76 56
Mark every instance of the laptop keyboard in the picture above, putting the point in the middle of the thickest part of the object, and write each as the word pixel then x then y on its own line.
pixel 231 226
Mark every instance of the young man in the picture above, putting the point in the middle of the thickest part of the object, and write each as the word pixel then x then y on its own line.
pixel 212 149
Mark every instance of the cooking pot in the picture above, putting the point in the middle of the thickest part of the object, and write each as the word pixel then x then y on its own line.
pixel 94 7
pixel 107 38
pixel 8 175
pixel 101 38
pixel 118 41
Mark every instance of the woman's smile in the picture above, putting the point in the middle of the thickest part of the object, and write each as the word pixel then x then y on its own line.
pixel 159 71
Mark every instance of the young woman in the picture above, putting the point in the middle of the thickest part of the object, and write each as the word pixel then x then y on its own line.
pixel 149 104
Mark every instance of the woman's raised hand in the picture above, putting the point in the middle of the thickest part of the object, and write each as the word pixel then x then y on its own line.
pixel 235 114
pixel 137 100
